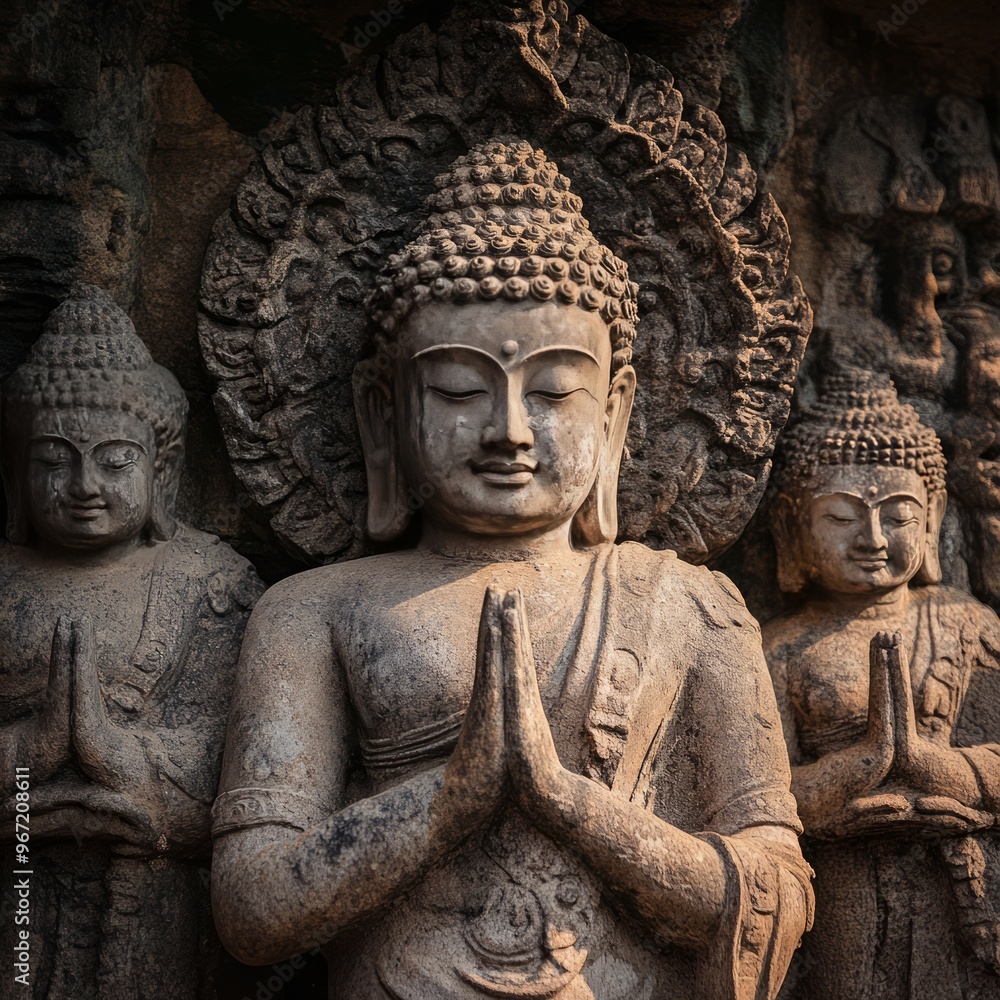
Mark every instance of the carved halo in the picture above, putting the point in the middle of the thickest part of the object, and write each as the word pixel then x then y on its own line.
pixel 723 323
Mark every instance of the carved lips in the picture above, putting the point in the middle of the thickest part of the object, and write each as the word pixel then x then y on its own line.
pixel 502 473
pixel 87 512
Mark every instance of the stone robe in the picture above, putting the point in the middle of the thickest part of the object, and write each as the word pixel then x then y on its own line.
pixel 665 699
pixel 110 921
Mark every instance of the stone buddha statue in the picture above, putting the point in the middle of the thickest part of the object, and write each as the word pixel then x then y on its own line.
pixel 120 634
pixel 509 758
pixel 889 691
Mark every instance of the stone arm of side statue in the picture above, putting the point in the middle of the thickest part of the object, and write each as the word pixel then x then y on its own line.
pixel 893 778
pixel 977 734
pixel 681 884
pixel 293 865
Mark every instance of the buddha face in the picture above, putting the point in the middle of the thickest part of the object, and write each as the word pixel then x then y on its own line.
pixel 925 275
pixel 503 412
pixel 983 370
pixel 89 476
pixel 865 528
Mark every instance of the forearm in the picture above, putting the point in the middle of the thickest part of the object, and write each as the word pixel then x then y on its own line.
pixel 20 746
pixel 985 762
pixel 676 881
pixel 948 773
pixel 824 788
pixel 274 897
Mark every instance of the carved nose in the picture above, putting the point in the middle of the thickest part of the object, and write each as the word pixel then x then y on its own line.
pixel 509 427
pixel 84 485
pixel 871 536
pixel 990 291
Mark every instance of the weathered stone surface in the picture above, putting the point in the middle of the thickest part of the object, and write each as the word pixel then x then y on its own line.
pixel 887 685
pixel 590 801
pixel 286 273
pixel 125 128
pixel 121 630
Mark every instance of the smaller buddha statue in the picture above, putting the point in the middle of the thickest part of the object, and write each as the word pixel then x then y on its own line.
pixel 972 441
pixel 889 690
pixel 119 634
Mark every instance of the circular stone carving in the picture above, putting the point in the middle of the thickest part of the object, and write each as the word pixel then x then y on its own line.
pixel 723 323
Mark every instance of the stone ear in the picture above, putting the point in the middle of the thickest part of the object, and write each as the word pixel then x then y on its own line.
pixel 388 512
pixel 18 525
pixel 166 482
pixel 597 520
pixel 930 567
pixel 784 518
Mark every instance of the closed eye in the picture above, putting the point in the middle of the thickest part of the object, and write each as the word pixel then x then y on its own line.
pixel 551 393
pixel 839 520
pixel 457 393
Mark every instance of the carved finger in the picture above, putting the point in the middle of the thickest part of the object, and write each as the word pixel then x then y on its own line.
pixel 486 702
pixel 905 722
pixel 90 714
pixel 525 721
pixel 60 669
pixel 880 704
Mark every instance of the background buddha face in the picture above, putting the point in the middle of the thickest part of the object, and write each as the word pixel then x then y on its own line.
pixel 865 527
pixel 503 412
pixel 89 477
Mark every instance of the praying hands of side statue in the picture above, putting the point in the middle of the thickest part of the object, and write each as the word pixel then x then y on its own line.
pixel 90 776
pixel 893 779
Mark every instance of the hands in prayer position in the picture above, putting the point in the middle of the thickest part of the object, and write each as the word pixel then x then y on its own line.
pixel 116 782
pixel 924 787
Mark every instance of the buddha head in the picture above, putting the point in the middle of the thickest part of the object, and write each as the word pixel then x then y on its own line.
pixel 91 433
pixel 504 332
pixel 862 492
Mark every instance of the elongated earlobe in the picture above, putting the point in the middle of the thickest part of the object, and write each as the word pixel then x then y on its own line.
pixel 388 512
pixel 597 520
pixel 930 568
pixel 784 530
pixel 18 526
pixel 166 482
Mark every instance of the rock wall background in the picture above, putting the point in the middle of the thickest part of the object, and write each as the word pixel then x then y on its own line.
pixel 126 126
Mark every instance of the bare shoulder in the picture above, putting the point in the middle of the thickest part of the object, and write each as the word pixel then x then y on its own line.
pixel 660 574
pixel 781 634
pixel 317 598
pixel 694 611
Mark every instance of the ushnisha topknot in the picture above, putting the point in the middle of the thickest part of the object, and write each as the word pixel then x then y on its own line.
pixel 90 356
pixel 859 420
pixel 503 224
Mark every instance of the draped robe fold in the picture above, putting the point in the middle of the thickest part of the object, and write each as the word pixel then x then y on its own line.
pixel 666 701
